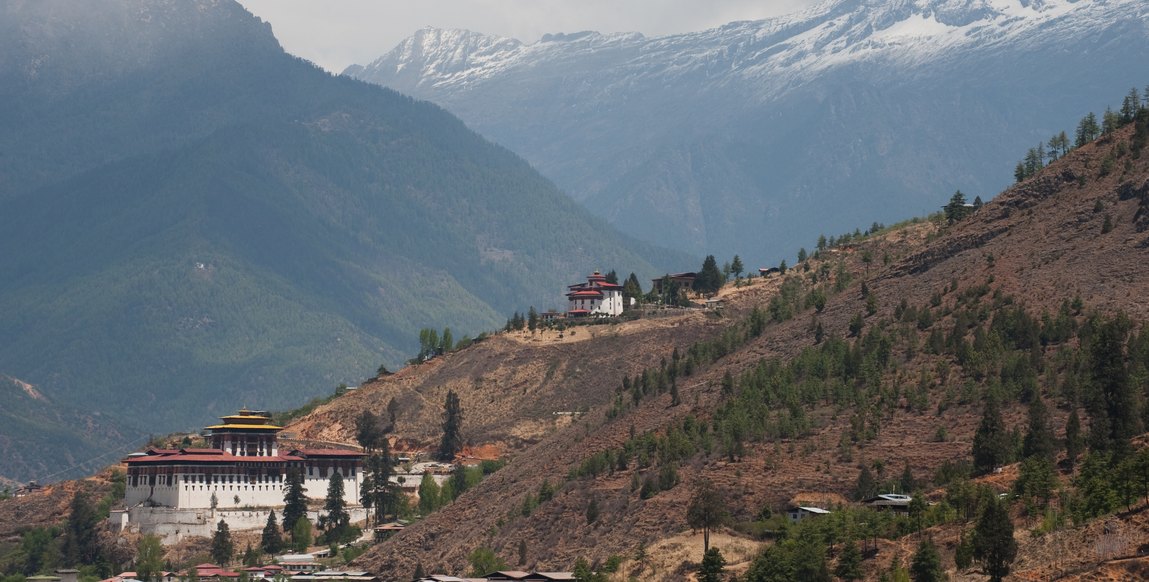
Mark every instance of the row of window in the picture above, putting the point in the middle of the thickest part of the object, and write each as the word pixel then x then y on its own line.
pixel 200 478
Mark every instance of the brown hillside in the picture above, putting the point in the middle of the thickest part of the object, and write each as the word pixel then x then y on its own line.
pixel 512 385
pixel 1040 241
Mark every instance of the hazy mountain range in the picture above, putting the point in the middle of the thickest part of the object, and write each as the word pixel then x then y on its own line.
pixel 193 220
pixel 754 137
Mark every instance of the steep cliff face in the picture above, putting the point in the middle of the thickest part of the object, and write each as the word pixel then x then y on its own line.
pixel 748 137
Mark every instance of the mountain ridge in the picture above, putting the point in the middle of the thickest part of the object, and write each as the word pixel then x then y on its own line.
pixel 746 137
pixel 217 226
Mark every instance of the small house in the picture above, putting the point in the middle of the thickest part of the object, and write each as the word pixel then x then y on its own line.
pixel 800 513
pixel 889 502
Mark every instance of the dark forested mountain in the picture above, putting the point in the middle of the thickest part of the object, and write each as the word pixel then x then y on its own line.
pixel 192 220
pixel 752 137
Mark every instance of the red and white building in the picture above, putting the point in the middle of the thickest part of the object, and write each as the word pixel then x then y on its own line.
pixel 595 297
pixel 240 478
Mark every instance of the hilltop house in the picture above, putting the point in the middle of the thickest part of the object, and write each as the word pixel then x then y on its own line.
pixel 239 479
pixel 595 297
pixel 682 280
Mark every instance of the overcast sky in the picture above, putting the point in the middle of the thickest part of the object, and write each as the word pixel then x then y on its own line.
pixel 337 33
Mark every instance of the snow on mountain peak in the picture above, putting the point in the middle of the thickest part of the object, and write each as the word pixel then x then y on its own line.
pixel 777 52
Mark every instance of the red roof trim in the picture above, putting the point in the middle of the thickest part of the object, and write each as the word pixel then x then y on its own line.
pixel 328 453
pixel 225 458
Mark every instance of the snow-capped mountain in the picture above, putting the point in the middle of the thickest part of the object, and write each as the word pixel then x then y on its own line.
pixel 739 138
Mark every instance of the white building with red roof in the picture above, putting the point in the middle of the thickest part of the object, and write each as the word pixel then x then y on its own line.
pixel 239 479
pixel 595 297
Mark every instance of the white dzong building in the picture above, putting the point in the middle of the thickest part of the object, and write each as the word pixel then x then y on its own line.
pixel 595 297
pixel 241 476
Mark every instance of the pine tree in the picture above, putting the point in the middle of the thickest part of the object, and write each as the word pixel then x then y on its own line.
pixel 272 540
pixel 592 511
pixel 250 556
pixel 866 485
pixel 632 288
pixel 222 548
pixel 1087 130
pixel 993 542
pixel 1074 444
pixel 956 209
pixel 991 441
pixel 927 563
pixel 338 520
pixel 1113 400
pixel 393 413
pixel 294 499
pixel 81 546
pixel 1039 440
pixel 452 441
pixel 711 568
pixel 532 319
pixel 850 562
pixel 709 279
pixel 368 430
pixel 737 267
pixel 376 491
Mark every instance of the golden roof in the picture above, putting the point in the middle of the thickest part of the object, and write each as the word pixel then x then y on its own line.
pixel 245 426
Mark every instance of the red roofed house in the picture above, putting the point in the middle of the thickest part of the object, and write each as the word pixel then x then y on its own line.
pixel 595 297
pixel 241 477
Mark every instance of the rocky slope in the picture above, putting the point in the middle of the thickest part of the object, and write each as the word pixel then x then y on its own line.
pixel 1042 243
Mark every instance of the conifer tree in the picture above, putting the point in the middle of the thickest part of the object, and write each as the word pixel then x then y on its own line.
pixel 81 546
pixel 368 430
pixel 991 441
pixel 993 542
pixel 376 491
pixel 250 556
pixel 1113 400
pixel 709 279
pixel 737 267
pixel 393 413
pixel 338 520
pixel 927 563
pixel 272 540
pixel 1039 440
pixel 849 566
pixel 294 499
pixel 222 547
pixel 866 485
pixel 452 441
pixel 1074 444
pixel 632 288
pixel 711 568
